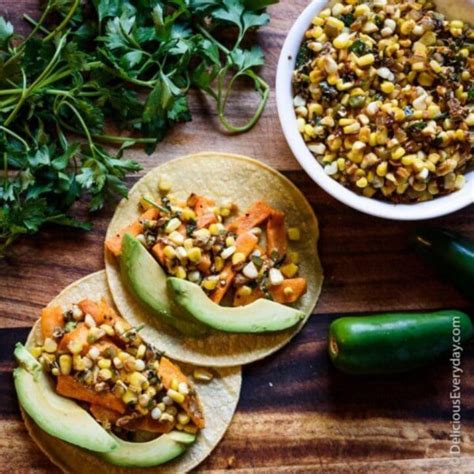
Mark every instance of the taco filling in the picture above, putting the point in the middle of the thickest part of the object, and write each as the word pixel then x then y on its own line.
pixel 98 359
pixel 235 257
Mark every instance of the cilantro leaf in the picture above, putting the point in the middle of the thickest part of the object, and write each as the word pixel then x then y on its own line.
pixel 6 32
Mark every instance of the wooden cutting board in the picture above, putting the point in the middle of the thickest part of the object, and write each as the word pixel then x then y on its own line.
pixel 296 413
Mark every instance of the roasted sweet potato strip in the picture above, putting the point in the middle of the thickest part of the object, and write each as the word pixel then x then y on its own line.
pixel 245 243
pixel 276 234
pixel 257 213
pixel 96 310
pixel 104 414
pixel 147 423
pixel 68 386
pixel 114 243
pixel 167 371
pixel 51 318
pixel 79 334
pixel 298 285
pixel 204 212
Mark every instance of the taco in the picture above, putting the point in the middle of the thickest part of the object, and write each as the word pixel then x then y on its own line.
pixel 97 398
pixel 217 255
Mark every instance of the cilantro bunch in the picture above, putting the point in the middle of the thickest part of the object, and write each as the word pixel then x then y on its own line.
pixel 114 72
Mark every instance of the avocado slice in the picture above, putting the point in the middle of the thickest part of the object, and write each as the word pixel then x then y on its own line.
pixel 58 416
pixel 152 453
pixel 146 280
pixel 260 316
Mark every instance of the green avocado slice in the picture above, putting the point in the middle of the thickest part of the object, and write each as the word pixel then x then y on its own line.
pixel 146 280
pixel 152 453
pixel 260 316
pixel 58 416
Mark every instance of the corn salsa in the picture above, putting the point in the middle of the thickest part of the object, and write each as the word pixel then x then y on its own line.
pixel 384 98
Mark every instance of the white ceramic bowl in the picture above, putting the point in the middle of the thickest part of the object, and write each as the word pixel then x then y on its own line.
pixel 284 95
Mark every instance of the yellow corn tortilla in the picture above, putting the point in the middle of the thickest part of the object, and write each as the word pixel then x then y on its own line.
pixel 219 398
pixel 220 176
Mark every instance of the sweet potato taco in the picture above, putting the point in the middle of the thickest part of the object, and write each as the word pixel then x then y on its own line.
pixel 96 397
pixel 216 255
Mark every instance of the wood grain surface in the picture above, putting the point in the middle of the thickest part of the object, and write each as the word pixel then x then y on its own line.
pixel 296 414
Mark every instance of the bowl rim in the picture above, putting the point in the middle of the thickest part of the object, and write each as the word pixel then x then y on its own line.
pixel 284 97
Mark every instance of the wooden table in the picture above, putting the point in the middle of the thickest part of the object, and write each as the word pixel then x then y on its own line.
pixel 296 412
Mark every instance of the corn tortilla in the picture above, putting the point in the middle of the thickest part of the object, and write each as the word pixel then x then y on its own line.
pixel 242 180
pixel 219 398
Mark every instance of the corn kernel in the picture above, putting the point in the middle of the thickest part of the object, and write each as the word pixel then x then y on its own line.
pixel 36 351
pixel 335 23
pixel 288 291
pixel 209 284
pixel 365 60
pixel 164 185
pixel 469 121
pixel 183 419
pixel 361 182
pixel 238 258
pixel 293 256
pixel 353 128
pixel 244 291
pixel 294 233
pixel 194 254
pixel 188 214
pixel 65 364
pixel 180 273
pixel 129 397
pixel 387 87
pixel 382 169
pixel 75 347
pixel 50 345
pixel 176 396
pixel 137 379
pixel 289 270
pixel 398 153
pixel 342 41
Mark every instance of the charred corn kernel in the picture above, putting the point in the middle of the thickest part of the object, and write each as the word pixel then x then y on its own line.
pixel 78 363
pixel 65 364
pixel 137 379
pixel 183 419
pixel 105 374
pixel 407 27
pixel 238 258
pixel 194 254
pixel 202 375
pixel 387 87
pixel 315 109
pixel 288 291
pixel 289 270
pixel 470 120
pixel 353 128
pixel 169 252
pixel 382 169
pixel 398 153
pixel 425 79
pixel 109 330
pixel 176 396
pixel 335 23
pixel 332 79
pixel 229 241
pixel 365 60
pixel 172 225
pixel 244 291
pixel 294 233
pixel 166 418
pixel 188 214
pixel 183 388
pixel 75 347
pixel 180 272
pixel 129 397
pixel 209 284
pixel 50 345
pixel 36 351
pixel 341 166
pixel 218 263
pixel 174 383
pixel 104 363
pixel 361 182
pixel 342 41
pixel 361 10
pixel 164 186
pixel 408 160
pixel 459 134
pixel 436 66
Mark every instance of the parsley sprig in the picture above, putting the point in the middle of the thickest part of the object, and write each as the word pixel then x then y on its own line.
pixel 112 72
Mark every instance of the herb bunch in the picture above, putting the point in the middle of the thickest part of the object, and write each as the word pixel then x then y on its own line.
pixel 89 67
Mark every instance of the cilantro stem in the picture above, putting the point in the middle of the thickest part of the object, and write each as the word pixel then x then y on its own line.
pixel 65 22
pixel 17 137
pixel 81 121
pixel 261 86
pixel 212 39
pixel 36 24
